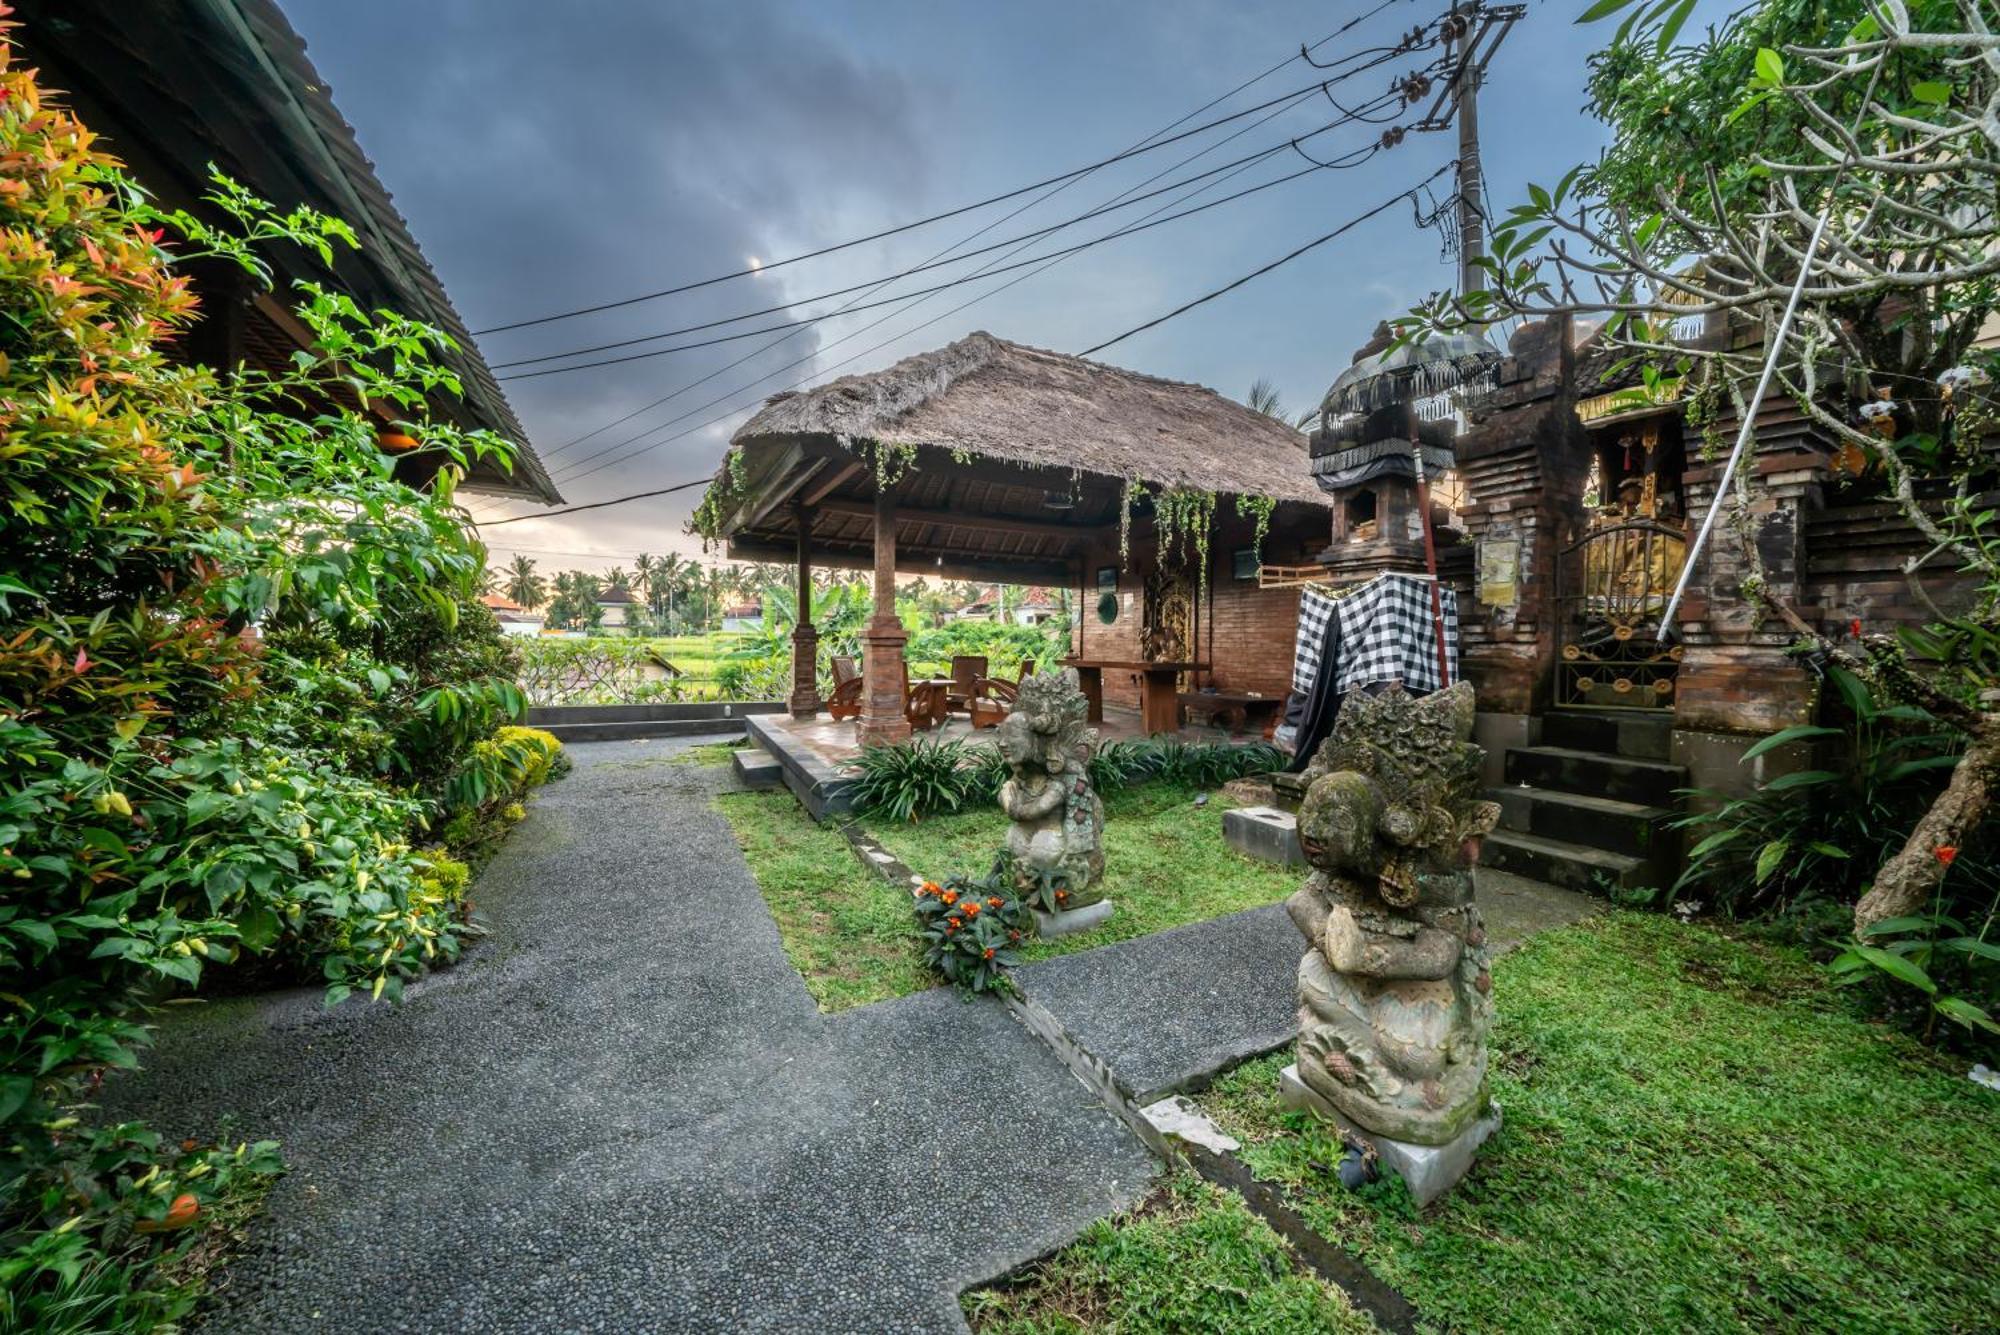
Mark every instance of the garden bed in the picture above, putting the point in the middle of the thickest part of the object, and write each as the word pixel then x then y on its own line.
pixel 853 937
pixel 1700 1134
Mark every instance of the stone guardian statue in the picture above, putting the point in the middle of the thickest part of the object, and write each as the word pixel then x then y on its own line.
pixel 1056 839
pixel 1395 997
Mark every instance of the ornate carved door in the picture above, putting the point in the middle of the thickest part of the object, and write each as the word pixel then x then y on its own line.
pixel 1167 629
pixel 1612 587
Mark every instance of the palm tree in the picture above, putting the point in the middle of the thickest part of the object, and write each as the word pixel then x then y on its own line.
pixel 616 578
pixel 1264 398
pixel 524 586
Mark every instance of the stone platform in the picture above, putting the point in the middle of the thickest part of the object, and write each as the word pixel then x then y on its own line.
pixel 1428 1170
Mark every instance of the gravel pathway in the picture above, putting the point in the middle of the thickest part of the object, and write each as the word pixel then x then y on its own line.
pixel 623 1111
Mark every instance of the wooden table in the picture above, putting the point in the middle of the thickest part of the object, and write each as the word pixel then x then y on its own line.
pixel 1229 709
pixel 1159 695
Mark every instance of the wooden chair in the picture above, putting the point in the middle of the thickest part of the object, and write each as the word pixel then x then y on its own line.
pixel 992 700
pixel 845 702
pixel 966 670
pixel 925 704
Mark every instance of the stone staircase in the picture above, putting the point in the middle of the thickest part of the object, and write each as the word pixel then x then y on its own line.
pixel 1591 803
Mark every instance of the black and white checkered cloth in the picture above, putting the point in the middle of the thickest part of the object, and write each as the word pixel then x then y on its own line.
pixel 1315 610
pixel 1387 633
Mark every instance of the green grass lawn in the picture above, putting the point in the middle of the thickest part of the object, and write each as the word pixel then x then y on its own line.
pixel 853 937
pixel 1165 862
pixel 1191 1258
pixel 1699 1135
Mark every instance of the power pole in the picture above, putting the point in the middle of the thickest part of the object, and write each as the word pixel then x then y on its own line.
pixel 1479 30
pixel 1471 184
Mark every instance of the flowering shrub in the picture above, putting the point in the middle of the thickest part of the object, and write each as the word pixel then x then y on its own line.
pixel 972 927
pixel 242 669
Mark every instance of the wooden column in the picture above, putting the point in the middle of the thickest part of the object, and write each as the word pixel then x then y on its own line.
pixel 882 721
pixel 805 636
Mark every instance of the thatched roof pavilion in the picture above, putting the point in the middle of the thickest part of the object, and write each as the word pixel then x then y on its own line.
pixel 1001 462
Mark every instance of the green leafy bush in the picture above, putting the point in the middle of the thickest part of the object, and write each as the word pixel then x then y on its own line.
pixel 931 776
pixel 242 668
pixel 1798 851
pixel 922 777
pixel 971 927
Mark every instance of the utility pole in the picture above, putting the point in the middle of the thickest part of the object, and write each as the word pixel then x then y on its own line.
pixel 1471 183
pixel 1478 29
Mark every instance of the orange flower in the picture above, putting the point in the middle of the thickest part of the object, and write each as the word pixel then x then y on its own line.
pixel 1062 894
pixel 949 897
pixel 1945 853
pixel 993 901
pixel 971 908
pixel 952 924
pixel 930 888
pixel 988 955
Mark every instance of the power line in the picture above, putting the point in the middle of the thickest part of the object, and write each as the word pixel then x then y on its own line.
pixel 927 266
pixel 1144 146
pixel 1305 52
pixel 1344 228
pixel 594 505
pixel 1358 156
pixel 1044 263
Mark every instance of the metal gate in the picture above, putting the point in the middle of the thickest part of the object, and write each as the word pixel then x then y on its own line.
pixel 1612 587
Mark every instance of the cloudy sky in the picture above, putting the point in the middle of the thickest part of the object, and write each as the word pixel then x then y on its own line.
pixel 556 156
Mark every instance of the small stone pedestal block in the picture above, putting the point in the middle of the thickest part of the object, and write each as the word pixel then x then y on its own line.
pixel 1264 833
pixel 1068 922
pixel 1428 1170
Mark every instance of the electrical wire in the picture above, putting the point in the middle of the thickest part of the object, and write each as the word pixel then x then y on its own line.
pixel 1412 42
pixel 1341 230
pixel 573 476
pixel 1410 193
pixel 1045 263
pixel 1353 159
pixel 1144 146
pixel 1037 234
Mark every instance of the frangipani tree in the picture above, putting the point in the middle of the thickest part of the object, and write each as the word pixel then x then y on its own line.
pixel 1850 150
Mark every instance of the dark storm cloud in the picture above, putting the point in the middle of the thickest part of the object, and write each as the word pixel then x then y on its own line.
pixel 552 156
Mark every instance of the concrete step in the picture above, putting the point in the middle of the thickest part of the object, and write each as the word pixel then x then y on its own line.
pixel 1559 863
pixel 543 716
pixel 626 731
pixel 1633 828
pixel 1632 733
pixel 758 768
pixel 1593 773
pixel 1269 834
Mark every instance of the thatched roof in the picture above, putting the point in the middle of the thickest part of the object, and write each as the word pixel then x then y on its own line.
pixel 993 399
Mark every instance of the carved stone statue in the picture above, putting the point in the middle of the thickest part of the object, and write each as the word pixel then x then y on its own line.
pixel 1394 994
pixel 1058 820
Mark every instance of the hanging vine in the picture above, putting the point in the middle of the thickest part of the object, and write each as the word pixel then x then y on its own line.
pixel 1260 508
pixel 1184 516
pixel 891 462
pixel 723 496
pixel 1130 495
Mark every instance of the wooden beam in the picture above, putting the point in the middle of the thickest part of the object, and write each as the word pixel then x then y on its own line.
pixel 1036 528
pixel 824 487
pixel 863 558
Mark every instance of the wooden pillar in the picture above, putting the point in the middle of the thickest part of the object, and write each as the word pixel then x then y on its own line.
pixel 882 721
pixel 805 635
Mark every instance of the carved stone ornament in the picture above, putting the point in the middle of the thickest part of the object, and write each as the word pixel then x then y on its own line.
pixel 1057 833
pixel 1395 997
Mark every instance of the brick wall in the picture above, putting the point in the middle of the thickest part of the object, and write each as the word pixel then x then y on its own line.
pixel 1247 633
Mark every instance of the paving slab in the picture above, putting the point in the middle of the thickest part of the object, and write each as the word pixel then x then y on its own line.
pixel 623 1112
pixel 1170 1011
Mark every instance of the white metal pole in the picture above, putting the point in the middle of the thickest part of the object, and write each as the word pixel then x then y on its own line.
pixel 1743 433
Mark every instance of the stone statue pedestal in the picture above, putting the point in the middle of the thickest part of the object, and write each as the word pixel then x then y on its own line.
pixel 1428 1170
pixel 1068 922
